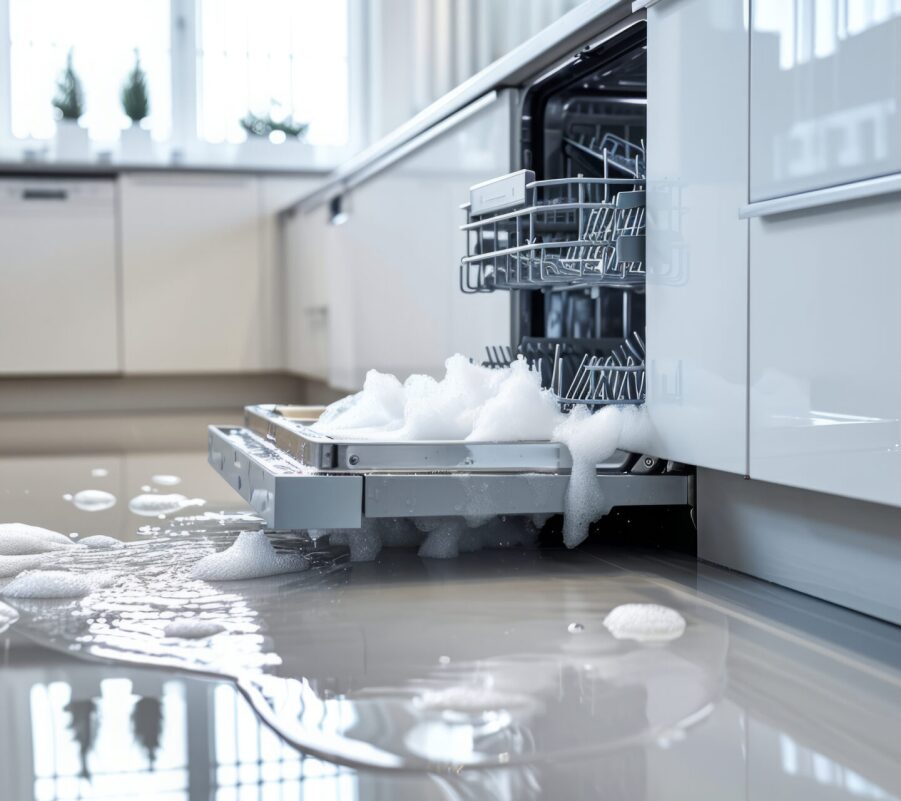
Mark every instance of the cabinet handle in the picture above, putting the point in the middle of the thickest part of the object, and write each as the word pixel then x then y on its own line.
pixel 857 190
pixel 45 194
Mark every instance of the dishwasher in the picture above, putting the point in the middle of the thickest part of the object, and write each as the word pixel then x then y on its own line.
pixel 565 237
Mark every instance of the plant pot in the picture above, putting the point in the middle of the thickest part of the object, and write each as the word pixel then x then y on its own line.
pixel 256 150
pixel 135 144
pixel 72 141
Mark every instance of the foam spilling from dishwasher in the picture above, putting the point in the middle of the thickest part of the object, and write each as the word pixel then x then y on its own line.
pixel 250 556
pixel 480 404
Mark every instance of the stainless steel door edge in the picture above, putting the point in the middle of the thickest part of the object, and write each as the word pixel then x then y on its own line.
pixel 282 491
pixel 289 495
pixel 296 439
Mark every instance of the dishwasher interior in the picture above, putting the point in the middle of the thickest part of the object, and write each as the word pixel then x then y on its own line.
pixel 565 236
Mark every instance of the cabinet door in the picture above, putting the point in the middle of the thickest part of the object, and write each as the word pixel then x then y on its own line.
pixel 825 350
pixel 308 241
pixel 277 193
pixel 59 302
pixel 196 296
pixel 394 296
pixel 825 94
pixel 697 291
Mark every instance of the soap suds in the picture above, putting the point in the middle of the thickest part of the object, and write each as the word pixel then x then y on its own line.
pixel 250 556
pixel 165 480
pixel 99 472
pixel 56 584
pixel 645 623
pixel 18 539
pixel 590 438
pixel 470 403
pixel 190 628
pixel 93 500
pixel 155 505
pixel 491 405
pixel 102 541
pixel 13 565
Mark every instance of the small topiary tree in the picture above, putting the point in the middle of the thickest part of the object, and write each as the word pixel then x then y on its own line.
pixel 135 100
pixel 69 100
pixel 263 126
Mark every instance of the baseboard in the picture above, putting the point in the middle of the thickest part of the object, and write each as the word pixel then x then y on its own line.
pixel 838 549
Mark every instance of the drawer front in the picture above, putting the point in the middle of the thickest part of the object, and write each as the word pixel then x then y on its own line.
pixel 825 102
pixel 825 395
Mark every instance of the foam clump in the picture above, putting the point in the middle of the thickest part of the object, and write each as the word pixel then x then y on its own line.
pixel 13 565
pixel 190 628
pixel 469 403
pixel 102 541
pixel 93 500
pixel 18 539
pixel 645 623
pixel 159 505
pixel 250 556
pixel 56 584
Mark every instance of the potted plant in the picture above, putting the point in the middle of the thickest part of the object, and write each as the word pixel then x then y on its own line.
pixel 136 143
pixel 273 128
pixel 72 141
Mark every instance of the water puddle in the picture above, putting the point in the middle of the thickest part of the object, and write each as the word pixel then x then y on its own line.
pixel 494 658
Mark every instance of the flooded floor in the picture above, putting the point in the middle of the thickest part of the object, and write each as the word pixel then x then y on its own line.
pixel 487 676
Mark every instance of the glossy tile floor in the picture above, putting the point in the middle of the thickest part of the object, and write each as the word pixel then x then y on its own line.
pixel 768 695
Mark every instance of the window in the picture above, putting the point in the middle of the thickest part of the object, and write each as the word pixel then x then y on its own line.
pixel 284 57
pixel 103 36
pixel 208 64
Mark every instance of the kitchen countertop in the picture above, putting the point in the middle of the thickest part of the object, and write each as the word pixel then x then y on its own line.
pixel 778 695
pixel 99 169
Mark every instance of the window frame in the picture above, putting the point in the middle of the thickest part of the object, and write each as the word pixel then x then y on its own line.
pixel 185 148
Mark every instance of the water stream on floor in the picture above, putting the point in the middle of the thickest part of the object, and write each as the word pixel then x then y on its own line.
pixel 492 658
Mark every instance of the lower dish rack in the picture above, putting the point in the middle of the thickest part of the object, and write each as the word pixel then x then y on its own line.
pixel 295 478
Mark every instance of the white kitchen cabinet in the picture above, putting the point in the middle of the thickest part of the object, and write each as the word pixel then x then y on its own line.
pixel 825 346
pixel 825 94
pixel 59 303
pixel 697 257
pixel 197 294
pixel 394 295
pixel 277 192
pixel 308 242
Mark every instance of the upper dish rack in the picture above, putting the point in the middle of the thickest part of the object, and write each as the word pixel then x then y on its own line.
pixel 555 234
pixel 613 150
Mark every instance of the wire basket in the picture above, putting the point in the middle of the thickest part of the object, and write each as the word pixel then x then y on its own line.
pixel 618 377
pixel 613 150
pixel 555 234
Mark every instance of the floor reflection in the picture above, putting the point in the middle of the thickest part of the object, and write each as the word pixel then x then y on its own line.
pixel 108 733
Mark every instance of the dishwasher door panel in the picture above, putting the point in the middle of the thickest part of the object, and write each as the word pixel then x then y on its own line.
pixel 59 308
pixel 697 245
pixel 826 349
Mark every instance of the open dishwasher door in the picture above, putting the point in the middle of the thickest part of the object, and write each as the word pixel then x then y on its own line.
pixel 562 238
pixel 295 478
